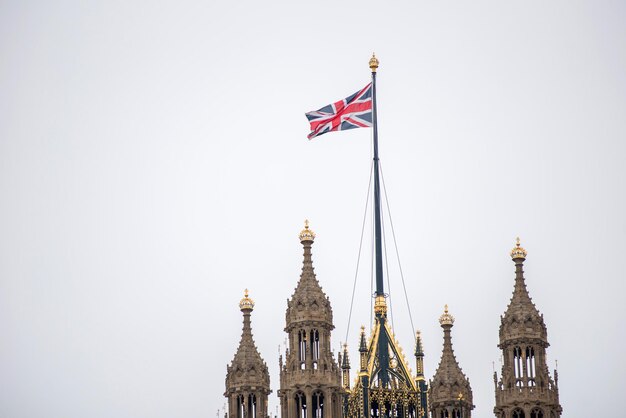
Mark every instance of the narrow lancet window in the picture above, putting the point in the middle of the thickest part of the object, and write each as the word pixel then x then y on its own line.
pixel 302 348
pixel 240 406
pixel 530 365
pixel 536 413
pixel 318 405
pixel 301 411
pixel 518 413
pixel 315 346
pixel 251 406
pixel 517 363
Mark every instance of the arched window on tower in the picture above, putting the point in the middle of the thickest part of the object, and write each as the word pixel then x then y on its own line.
pixel 530 365
pixel 251 406
pixel 318 405
pixel 302 347
pixel 517 364
pixel 518 413
pixel 536 413
pixel 301 411
pixel 456 413
pixel 315 347
pixel 444 413
pixel 240 406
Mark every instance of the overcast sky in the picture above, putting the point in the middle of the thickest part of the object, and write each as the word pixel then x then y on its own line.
pixel 154 163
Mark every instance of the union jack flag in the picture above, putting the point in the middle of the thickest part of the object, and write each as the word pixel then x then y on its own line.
pixel 352 112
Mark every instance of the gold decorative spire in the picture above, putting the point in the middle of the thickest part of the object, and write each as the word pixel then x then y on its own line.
pixel 518 251
pixel 306 234
pixel 374 63
pixel 246 303
pixel 446 318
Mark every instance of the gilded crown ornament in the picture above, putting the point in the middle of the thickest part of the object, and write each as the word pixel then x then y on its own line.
pixel 374 63
pixel 246 303
pixel 306 234
pixel 446 318
pixel 518 251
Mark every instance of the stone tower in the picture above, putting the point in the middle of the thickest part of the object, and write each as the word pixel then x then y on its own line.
pixel 525 389
pixel 310 379
pixel 247 377
pixel 450 391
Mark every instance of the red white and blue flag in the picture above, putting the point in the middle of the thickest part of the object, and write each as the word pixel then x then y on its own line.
pixel 352 112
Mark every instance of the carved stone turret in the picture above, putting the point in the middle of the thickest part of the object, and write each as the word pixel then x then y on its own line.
pixel 247 377
pixel 525 388
pixel 450 391
pixel 310 378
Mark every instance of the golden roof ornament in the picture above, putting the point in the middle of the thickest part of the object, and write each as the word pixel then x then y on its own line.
pixel 246 303
pixel 380 305
pixel 446 318
pixel 518 251
pixel 306 234
pixel 374 63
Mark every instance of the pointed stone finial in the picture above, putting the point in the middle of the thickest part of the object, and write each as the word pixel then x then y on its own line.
pixel 362 342
pixel 374 63
pixel 246 303
pixel 518 251
pixel 446 318
pixel 306 234
pixel 419 351
pixel 345 364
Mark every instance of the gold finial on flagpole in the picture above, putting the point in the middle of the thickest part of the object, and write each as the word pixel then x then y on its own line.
pixel 374 63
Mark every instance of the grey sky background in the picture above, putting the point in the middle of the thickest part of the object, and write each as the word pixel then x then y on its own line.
pixel 154 163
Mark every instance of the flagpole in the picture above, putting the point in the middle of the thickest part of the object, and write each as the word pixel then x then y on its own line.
pixel 380 305
pixel 377 222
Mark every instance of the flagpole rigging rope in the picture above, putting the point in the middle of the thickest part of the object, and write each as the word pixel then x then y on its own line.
pixel 372 259
pixel 393 233
pixel 393 326
pixel 356 274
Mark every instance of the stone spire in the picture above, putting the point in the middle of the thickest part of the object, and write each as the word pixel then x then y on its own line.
pixel 419 356
pixel 247 377
pixel 525 387
pixel 308 302
pixel 345 367
pixel 310 379
pixel 521 309
pixel 450 390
